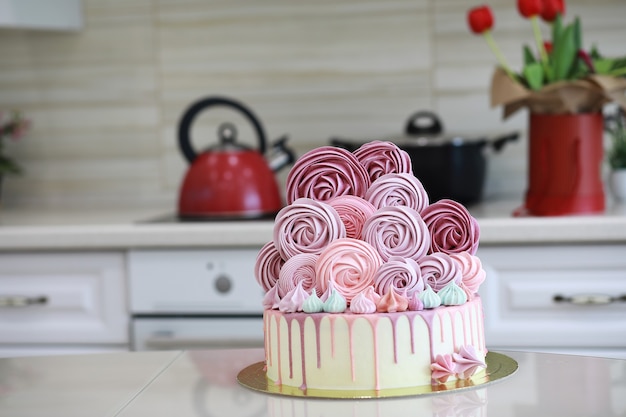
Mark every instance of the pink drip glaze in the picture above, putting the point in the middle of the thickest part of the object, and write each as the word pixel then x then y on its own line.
pixel 427 315
pixel 351 339
pixel 279 381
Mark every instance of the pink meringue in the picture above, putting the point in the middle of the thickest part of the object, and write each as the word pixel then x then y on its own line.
pixel 397 231
pixel 306 226
pixel 324 173
pixel 383 157
pixel 472 273
pixel 468 361
pixel 399 274
pixel 350 264
pixel 443 368
pixel 299 269
pixel 353 212
pixel 267 266
pixel 398 190
pixel 438 269
pixel 452 228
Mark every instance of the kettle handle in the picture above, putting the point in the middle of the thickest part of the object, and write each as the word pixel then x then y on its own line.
pixel 184 127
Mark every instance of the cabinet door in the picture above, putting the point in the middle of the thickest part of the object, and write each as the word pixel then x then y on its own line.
pixel 555 296
pixel 63 298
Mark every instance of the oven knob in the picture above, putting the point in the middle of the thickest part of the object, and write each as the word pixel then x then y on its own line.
pixel 223 284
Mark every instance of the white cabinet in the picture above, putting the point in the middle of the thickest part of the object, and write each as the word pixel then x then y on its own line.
pixel 65 15
pixel 565 298
pixel 62 302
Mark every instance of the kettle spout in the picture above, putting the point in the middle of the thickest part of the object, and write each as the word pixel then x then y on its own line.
pixel 280 154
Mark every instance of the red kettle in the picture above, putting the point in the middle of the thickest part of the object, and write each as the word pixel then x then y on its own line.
pixel 229 180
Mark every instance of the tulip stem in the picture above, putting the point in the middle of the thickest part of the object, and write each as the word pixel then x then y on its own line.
pixel 496 51
pixel 539 39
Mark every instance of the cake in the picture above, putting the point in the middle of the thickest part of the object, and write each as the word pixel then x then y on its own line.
pixel 369 285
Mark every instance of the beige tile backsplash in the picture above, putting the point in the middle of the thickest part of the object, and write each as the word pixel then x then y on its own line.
pixel 105 102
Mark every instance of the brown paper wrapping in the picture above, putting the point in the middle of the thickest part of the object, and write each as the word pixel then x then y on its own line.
pixel 585 95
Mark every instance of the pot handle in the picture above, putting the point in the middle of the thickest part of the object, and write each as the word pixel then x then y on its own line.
pixel 498 143
pixel 184 127
pixel 424 123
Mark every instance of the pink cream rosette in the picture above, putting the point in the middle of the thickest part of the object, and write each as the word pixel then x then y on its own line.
pixel 324 173
pixel 353 212
pixel 306 226
pixel 298 270
pixel 399 274
pixel 267 266
pixel 452 227
pixel 472 273
pixel 397 231
pixel 398 190
pixel 383 157
pixel 439 269
pixel 350 264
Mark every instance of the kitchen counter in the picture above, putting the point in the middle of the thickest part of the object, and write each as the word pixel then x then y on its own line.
pixel 124 229
pixel 203 383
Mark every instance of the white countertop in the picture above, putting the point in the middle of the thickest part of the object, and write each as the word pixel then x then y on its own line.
pixel 124 229
pixel 203 383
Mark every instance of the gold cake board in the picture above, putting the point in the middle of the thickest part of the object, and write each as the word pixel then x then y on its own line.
pixel 499 366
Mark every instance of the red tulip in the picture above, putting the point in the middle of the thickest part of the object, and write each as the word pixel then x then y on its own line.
pixel 551 9
pixel 548 47
pixel 480 19
pixel 529 8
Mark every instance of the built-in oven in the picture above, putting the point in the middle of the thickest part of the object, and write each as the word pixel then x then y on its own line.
pixel 194 299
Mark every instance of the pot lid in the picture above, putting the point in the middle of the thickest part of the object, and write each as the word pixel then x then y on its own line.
pixel 424 128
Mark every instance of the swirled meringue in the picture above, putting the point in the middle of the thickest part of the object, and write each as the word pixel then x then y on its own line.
pixel 468 361
pixel 313 304
pixel 452 295
pixel 299 269
pixel 452 228
pixel 399 274
pixel 271 299
pixel 353 212
pixel 472 273
pixel 415 303
pixel 324 173
pixel 438 269
pixel 335 303
pixel 350 264
pixel 398 190
pixel 397 231
pixel 267 266
pixel 306 226
pixel 392 302
pixel 443 368
pixel 429 298
pixel 361 304
pixel 292 302
pixel 383 157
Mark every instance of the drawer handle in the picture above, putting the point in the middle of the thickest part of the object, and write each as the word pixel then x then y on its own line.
pixel 589 299
pixel 17 301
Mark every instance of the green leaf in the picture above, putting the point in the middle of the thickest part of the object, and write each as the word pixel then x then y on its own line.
pixel 578 37
pixel 603 65
pixel 534 75
pixel 557 28
pixel 564 53
pixel 529 57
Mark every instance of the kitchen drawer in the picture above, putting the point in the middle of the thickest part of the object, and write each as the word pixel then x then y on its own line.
pixel 194 281
pixel 555 296
pixel 63 298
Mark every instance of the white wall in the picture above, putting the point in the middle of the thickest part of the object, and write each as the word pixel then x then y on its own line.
pixel 105 102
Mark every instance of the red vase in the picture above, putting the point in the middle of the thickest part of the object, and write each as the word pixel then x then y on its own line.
pixel 565 164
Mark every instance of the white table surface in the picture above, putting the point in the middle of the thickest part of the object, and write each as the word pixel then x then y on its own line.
pixel 203 383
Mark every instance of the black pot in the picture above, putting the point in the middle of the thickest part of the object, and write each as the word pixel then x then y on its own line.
pixel 451 167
